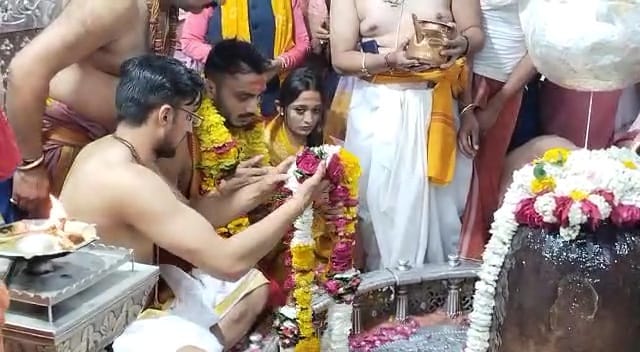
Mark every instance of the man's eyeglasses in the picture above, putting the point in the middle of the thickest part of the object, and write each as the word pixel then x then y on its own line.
pixel 195 119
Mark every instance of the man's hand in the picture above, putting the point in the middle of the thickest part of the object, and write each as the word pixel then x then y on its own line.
pixel 488 115
pixel 398 59
pixel 247 172
pixel 454 48
pixel 321 31
pixel 468 135
pixel 31 190
pixel 283 167
pixel 313 187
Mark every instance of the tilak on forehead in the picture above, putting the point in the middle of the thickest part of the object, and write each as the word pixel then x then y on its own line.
pixel 258 84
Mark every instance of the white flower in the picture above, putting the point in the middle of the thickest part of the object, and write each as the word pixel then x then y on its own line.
pixel 615 170
pixel 545 205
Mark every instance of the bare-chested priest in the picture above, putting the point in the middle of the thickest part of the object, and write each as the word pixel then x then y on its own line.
pixel 75 62
pixel 114 183
pixel 402 124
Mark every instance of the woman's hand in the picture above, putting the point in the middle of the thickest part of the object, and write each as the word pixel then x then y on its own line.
pixel 454 48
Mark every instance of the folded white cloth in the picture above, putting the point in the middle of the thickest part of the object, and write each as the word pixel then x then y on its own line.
pixel 165 334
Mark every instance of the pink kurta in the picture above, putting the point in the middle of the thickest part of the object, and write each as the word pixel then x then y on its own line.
pixel 194 43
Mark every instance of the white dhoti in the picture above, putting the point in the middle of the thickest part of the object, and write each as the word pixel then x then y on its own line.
pixel 201 301
pixel 403 216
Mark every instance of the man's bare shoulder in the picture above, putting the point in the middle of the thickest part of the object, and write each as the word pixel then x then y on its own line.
pixel 100 8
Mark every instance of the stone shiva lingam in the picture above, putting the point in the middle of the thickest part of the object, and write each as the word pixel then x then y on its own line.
pixel 428 41
pixel 562 269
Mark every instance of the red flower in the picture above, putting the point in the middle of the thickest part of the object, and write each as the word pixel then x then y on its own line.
pixel 332 287
pixel 341 257
pixel 527 215
pixel 335 170
pixel 307 162
pixel 625 215
pixel 592 212
pixel 608 196
pixel 339 194
pixel 563 204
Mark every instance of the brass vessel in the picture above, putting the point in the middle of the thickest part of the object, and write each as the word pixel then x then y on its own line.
pixel 428 41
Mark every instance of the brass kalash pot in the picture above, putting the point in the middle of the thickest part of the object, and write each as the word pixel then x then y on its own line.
pixel 428 41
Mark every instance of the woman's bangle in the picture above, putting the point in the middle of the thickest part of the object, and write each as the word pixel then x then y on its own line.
pixel 469 107
pixel 30 164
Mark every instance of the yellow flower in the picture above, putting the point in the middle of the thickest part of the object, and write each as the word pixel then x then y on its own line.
pixel 629 164
pixel 220 152
pixel 303 257
pixel 543 184
pixel 556 156
pixel 311 344
pixel 578 195
pixel 302 296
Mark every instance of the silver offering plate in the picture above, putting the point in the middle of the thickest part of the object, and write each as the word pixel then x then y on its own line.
pixel 31 239
pixel 69 275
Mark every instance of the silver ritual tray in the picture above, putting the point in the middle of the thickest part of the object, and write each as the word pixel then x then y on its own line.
pixel 85 322
pixel 73 274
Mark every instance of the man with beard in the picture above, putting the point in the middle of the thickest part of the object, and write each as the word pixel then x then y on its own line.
pixel 235 74
pixel 114 183
pixel 75 62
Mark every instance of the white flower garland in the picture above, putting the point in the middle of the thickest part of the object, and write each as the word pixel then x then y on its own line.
pixel 339 316
pixel 578 175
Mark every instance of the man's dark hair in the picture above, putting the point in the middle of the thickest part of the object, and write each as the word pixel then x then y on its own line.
pixel 150 81
pixel 233 56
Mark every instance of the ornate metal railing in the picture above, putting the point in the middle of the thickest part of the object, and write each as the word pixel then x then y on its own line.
pixel 20 21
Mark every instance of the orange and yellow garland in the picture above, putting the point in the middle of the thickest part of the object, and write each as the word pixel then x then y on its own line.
pixel 221 149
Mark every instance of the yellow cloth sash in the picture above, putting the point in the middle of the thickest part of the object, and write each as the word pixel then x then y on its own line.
pixel 235 23
pixel 275 136
pixel 442 134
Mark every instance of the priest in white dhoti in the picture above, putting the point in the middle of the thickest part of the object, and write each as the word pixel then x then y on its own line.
pixel 402 123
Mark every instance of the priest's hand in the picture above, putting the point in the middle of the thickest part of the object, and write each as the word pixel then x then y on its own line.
pixel 468 134
pixel 246 173
pixel 283 167
pixel 313 187
pixel 454 48
pixel 31 190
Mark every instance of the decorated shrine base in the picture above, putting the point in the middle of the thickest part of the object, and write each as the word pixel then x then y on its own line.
pixel 437 338
pixel 436 333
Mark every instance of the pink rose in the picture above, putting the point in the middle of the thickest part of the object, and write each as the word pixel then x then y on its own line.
pixel 332 287
pixel 340 223
pixel 625 215
pixel 592 212
pixel 335 170
pixel 527 215
pixel 339 194
pixel 341 257
pixel 307 162
pixel 608 196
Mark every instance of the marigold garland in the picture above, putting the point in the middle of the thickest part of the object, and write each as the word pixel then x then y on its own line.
pixel 221 149
pixel 343 173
